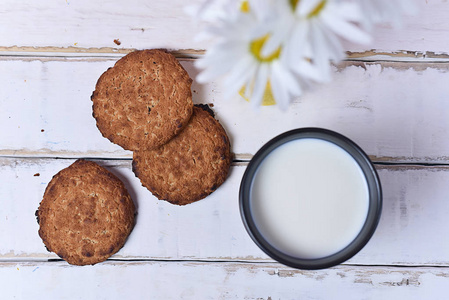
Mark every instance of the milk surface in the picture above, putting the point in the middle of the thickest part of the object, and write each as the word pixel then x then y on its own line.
pixel 309 198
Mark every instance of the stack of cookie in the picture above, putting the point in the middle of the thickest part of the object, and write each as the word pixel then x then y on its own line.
pixel 143 103
pixel 181 154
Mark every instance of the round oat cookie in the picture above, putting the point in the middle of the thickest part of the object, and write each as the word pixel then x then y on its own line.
pixel 191 165
pixel 143 100
pixel 86 214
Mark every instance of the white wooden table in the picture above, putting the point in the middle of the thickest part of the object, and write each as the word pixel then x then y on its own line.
pixel 392 100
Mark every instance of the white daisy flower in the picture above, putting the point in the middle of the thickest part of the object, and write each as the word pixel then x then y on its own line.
pixel 283 22
pixel 312 31
pixel 274 47
pixel 319 29
pixel 237 57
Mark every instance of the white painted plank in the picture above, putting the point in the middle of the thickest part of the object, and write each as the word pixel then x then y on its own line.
pixel 414 217
pixel 195 280
pixel 210 228
pixel 45 106
pixel 141 24
pixel 88 24
pixel 395 111
pixel 425 32
pixel 410 231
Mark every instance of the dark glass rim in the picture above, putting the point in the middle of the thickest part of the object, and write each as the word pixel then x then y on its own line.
pixel 374 189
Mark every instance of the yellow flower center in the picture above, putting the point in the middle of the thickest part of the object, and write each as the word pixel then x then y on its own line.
pixel 293 3
pixel 268 98
pixel 317 9
pixel 244 7
pixel 255 48
pixel 315 12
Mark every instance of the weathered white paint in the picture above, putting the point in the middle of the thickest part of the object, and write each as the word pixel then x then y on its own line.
pixel 394 111
pixel 140 24
pixel 207 229
pixel 410 230
pixel 425 32
pixel 389 109
pixel 52 53
pixel 40 95
pixel 85 24
pixel 196 280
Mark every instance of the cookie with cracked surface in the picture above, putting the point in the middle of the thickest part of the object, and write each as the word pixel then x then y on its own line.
pixel 86 214
pixel 190 166
pixel 143 101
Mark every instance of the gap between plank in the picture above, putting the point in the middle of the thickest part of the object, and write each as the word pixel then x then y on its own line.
pixel 218 261
pixel 109 52
pixel 379 161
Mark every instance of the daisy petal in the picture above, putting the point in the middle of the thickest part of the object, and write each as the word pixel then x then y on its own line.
pixel 259 86
pixel 305 7
pixel 289 83
pixel 349 11
pixel 239 78
pixel 322 53
pixel 346 30
pixel 280 94
pixel 306 70
pixel 333 43
pixel 296 49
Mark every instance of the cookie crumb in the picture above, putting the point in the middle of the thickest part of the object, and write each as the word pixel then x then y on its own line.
pixel 37 174
pixel 42 130
pixel 117 42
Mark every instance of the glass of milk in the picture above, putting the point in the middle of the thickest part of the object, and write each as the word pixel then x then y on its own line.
pixel 310 198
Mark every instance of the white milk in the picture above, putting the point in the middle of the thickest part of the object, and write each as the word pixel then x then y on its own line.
pixel 309 198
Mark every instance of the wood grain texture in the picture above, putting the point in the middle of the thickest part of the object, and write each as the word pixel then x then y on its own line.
pixel 84 24
pixel 45 105
pixel 426 31
pixel 415 211
pixel 390 97
pixel 196 280
pixel 208 229
pixel 81 25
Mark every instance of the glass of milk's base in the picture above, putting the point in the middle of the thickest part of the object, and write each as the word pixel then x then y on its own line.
pixel 310 198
